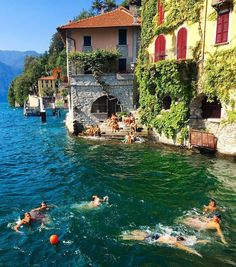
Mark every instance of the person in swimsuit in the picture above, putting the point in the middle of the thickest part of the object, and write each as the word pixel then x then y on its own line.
pixel 27 220
pixel 97 201
pixel 211 207
pixel 177 242
pixel 204 223
pixel 43 206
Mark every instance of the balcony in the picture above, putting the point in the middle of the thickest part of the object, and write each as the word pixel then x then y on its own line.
pixel 219 4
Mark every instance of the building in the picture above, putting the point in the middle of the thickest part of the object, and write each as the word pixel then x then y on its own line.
pixel 202 32
pixel 90 101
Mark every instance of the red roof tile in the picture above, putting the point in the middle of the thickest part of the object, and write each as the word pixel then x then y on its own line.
pixel 120 17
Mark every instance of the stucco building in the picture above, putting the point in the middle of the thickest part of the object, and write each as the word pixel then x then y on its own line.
pixel 118 29
pixel 212 32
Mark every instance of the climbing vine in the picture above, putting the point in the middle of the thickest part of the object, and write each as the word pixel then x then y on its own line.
pixel 97 62
pixel 172 78
pixel 178 12
pixel 220 74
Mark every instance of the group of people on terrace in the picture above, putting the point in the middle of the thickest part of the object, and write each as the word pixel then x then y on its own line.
pixel 93 130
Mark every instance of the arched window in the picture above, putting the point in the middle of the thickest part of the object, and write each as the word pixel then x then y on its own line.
pixel 160 48
pixel 106 104
pixel 160 10
pixel 182 43
pixel 211 109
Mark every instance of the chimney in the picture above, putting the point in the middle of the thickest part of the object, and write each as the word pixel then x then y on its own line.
pixel 133 8
pixel 102 8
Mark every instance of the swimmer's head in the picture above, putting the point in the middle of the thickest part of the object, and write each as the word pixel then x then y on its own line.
pixel 94 197
pixel 27 217
pixel 44 204
pixel 212 202
pixel 180 238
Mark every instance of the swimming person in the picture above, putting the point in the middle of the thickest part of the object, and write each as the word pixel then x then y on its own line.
pixel 27 220
pixel 177 241
pixel 96 201
pixel 203 223
pixel 211 207
pixel 43 206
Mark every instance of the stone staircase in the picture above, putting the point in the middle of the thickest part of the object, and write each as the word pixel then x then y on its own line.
pixel 107 131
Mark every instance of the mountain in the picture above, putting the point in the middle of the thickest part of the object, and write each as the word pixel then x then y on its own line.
pixel 15 58
pixel 11 65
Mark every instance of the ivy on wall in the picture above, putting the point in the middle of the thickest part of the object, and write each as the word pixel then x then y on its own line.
pixel 178 12
pixel 220 74
pixel 172 78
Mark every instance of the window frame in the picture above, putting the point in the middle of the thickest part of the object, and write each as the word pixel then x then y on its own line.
pixel 87 37
pixel 120 36
pixel 222 41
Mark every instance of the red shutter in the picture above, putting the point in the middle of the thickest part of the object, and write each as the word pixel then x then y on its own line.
pixel 182 43
pixel 160 48
pixel 222 28
pixel 160 12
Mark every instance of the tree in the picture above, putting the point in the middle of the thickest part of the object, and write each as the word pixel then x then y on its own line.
pixel 84 14
pixel 108 5
pixel 11 95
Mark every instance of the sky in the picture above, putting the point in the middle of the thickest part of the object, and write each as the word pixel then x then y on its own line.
pixel 29 25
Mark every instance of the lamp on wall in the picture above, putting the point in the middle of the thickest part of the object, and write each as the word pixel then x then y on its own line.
pixel 132 65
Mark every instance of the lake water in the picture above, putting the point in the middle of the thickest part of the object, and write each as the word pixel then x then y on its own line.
pixel 148 188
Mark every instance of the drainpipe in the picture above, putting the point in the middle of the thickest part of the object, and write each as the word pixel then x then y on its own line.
pixel 204 33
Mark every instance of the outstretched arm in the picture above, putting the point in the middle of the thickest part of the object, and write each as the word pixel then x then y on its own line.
pixel 187 249
pixel 220 234
pixel 17 226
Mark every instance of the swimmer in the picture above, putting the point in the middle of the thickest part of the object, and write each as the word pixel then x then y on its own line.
pixel 43 207
pixel 211 207
pixel 177 242
pixel 96 201
pixel 207 224
pixel 27 220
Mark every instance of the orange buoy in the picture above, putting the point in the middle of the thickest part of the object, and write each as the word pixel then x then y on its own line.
pixel 54 239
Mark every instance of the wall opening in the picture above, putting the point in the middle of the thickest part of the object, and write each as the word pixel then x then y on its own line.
pixel 211 109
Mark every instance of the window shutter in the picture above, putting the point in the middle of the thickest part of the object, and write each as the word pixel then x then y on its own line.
pixel 160 48
pixel 222 28
pixel 160 10
pixel 182 43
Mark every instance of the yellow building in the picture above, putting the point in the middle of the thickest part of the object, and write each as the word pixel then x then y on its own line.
pixel 203 31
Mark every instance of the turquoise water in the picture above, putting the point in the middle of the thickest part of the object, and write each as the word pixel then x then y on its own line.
pixel 148 187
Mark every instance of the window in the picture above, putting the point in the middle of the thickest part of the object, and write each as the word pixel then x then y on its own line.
pixel 122 65
pixel 160 10
pixel 160 48
pixel 87 40
pixel 222 28
pixel 211 109
pixel 182 43
pixel 123 37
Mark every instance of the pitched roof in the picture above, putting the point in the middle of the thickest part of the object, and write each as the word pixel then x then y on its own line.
pixel 120 17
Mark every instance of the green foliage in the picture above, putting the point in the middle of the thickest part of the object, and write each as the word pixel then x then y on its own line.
pixel 84 14
pixel 108 5
pixel 178 12
pixel 231 118
pixel 173 78
pixel 220 74
pixel 98 61
pixel 11 95
pixel 172 121
pixel 36 67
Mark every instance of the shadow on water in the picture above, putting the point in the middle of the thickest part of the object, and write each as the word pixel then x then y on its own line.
pixel 148 188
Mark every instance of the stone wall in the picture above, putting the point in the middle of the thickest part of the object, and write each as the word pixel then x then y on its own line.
pixel 85 90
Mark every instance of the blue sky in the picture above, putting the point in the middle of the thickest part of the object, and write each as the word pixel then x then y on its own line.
pixel 29 25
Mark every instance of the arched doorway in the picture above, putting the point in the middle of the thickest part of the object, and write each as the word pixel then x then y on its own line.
pixel 104 106
pixel 182 43
pixel 211 109
pixel 160 48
